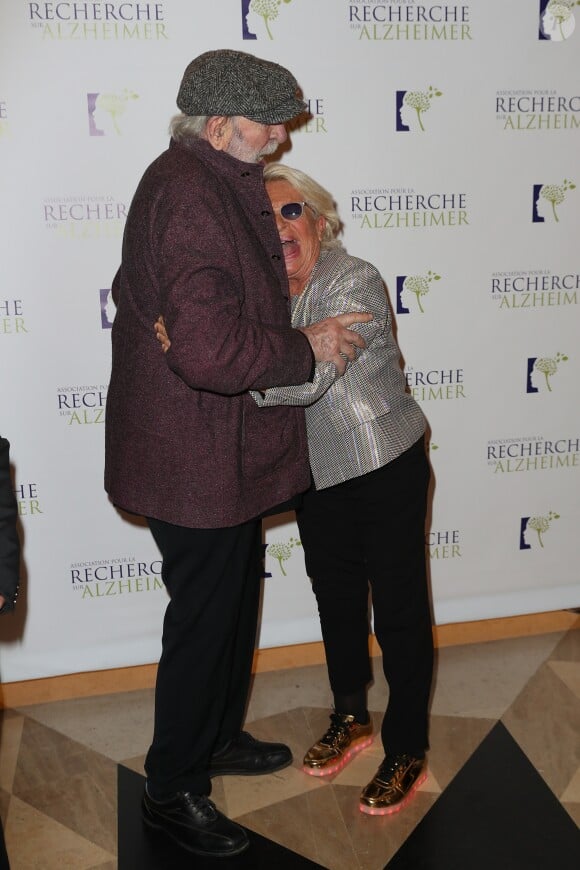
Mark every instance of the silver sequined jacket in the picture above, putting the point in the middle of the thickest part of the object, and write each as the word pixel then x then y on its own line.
pixel 360 421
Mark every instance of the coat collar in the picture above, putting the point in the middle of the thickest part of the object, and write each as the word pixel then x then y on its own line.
pixel 220 162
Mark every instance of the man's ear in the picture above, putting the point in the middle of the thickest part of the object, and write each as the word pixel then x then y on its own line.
pixel 218 131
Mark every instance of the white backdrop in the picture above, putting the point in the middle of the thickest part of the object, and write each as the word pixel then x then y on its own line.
pixel 449 135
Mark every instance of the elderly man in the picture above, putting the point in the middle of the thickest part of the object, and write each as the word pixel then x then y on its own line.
pixel 186 445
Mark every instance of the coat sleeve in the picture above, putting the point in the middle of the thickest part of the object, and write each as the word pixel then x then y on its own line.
pixel 355 286
pixel 215 344
pixel 9 542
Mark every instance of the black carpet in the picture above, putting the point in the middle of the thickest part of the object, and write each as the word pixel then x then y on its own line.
pixel 496 814
pixel 141 849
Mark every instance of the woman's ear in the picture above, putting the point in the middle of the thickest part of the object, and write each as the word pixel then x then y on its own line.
pixel 320 226
pixel 218 132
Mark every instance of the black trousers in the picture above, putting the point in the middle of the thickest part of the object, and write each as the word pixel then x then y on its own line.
pixel 213 579
pixel 372 529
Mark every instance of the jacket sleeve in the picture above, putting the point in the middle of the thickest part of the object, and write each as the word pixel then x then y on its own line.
pixel 9 542
pixel 356 286
pixel 299 394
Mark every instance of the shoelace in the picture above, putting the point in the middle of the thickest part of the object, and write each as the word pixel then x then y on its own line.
pixel 202 805
pixel 392 764
pixel 338 729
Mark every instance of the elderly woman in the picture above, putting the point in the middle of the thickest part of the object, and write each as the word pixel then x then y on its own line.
pixel 363 520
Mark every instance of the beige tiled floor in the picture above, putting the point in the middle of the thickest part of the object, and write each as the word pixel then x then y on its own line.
pixel 58 761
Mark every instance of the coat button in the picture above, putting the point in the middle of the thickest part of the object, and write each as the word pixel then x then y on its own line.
pixel 276 256
pixel 266 213
pixel 245 174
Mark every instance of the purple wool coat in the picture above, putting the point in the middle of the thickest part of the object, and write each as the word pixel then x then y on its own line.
pixel 185 442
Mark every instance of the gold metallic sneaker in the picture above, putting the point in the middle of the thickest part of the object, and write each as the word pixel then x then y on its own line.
pixel 393 785
pixel 342 741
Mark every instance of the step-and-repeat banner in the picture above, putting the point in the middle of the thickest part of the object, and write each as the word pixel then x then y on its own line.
pixel 449 134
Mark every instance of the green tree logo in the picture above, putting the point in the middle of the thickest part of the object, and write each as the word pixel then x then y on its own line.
pixel 541 525
pixel 115 105
pixel 561 10
pixel 282 552
pixel 421 101
pixel 548 366
pixel 420 285
pixel 268 10
pixel 556 194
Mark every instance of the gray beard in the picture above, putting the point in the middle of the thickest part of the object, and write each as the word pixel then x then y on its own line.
pixel 238 149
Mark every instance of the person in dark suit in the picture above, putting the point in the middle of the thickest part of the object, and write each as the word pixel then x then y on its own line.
pixel 186 446
pixel 9 541
pixel 9 560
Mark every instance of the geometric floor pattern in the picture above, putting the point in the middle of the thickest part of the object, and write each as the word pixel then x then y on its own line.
pixel 140 848
pixel 485 820
pixel 503 790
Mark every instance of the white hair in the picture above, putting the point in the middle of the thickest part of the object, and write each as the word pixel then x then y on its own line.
pixel 184 128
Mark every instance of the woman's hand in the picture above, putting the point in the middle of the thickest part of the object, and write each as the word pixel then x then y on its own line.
pixel 333 341
pixel 161 334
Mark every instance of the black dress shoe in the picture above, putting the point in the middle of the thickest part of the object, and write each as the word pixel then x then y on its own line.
pixel 246 756
pixel 194 823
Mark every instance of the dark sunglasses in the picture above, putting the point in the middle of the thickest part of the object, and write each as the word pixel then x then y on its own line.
pixel 291 211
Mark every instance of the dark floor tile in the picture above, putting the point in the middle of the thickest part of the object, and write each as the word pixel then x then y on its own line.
pixel 497 813
pixel 3 856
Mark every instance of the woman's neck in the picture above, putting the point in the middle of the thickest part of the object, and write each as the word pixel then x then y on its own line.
pixel 296 286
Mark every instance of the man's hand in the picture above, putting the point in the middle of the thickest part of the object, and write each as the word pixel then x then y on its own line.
pixel 331 340
pixel 161 334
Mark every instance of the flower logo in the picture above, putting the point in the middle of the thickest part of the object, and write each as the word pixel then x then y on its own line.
pixel 548 366
pixel 268 10
pixel 105 110
pixel 412 105
pixel 420 285
pixel 282 552
pixel 557 21
pixel 540 525
pixel 556 194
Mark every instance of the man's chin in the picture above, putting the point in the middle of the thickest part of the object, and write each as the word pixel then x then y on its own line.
pixel 271 148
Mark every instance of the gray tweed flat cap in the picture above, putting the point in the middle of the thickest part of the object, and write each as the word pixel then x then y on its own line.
pixel 227 82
